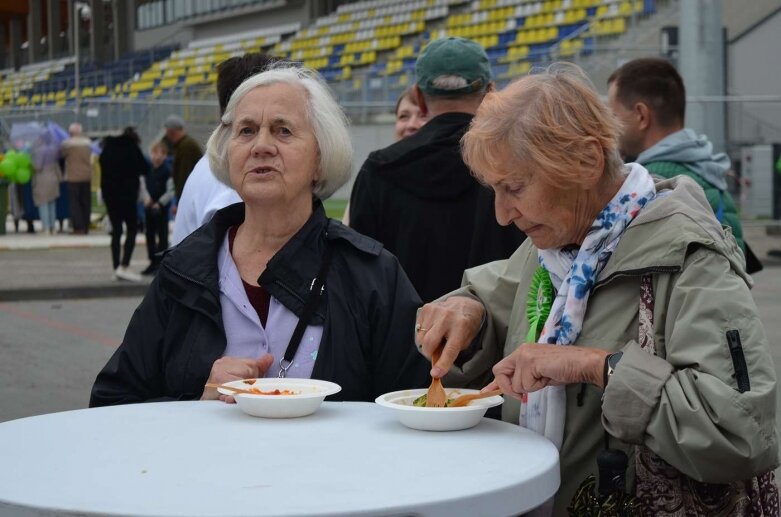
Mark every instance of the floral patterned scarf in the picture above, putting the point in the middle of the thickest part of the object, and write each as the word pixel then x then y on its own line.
pixel 574 273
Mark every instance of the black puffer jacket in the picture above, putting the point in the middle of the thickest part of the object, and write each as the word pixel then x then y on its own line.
pixel 176 334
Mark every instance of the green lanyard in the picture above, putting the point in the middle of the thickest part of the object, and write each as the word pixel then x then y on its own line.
pixel 538 303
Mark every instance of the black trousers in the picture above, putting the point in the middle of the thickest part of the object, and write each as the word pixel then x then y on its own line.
pixel 156 232
pixel 80 205
pixel 122 211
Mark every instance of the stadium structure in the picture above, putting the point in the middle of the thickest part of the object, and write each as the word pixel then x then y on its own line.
pixel 113 63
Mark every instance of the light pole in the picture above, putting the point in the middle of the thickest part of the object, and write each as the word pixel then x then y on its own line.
pixel 78 9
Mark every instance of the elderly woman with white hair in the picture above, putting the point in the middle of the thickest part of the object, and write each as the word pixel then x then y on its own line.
pixel 271 286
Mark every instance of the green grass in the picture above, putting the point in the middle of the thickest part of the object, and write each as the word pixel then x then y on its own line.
pixel 335 208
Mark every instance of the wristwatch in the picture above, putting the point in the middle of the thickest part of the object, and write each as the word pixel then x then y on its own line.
pixel 611 361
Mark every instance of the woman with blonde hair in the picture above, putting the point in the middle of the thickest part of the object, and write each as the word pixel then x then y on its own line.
pixel 623 324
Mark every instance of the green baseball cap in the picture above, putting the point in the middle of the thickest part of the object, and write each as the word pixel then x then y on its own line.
pixel 453 56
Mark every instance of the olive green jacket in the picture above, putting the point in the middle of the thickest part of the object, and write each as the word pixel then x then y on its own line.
pixel 683 404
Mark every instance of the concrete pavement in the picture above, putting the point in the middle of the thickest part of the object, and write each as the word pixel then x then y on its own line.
pixel 61 266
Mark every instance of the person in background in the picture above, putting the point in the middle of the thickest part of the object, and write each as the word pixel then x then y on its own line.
pixel 121 165
pixel 408 116
pixel 77 152
pixel 408 121
pixel 270 286
pixel 417 197
pixel 649 98
pixel 203 194
pixel 186 151
pixel 46 180
pixel 157 191
pixel 625 321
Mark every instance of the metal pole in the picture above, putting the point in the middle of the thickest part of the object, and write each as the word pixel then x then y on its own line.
pixel 76 9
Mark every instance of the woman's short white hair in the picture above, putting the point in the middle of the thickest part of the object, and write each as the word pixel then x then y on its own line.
pixel 325 115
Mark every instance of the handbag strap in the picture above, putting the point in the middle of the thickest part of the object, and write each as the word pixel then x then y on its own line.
pixel 646 333
pixel 316 290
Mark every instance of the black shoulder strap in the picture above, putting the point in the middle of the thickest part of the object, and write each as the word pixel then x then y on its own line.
pixel 315 293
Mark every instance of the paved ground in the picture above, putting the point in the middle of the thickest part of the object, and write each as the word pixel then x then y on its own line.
pixel 51 351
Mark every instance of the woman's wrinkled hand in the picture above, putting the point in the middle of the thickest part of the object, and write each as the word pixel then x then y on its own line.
pixel 227 369
pixel 454 322
pixel 533 366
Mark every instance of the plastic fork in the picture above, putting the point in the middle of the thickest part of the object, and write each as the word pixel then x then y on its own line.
pixel 464 400
pixel 436 393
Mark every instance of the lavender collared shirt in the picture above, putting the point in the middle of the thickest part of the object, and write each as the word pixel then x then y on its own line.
pixel 244 332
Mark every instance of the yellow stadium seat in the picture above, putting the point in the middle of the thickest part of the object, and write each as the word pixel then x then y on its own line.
pixel 169 83
pixel 101 91
pixel 192 80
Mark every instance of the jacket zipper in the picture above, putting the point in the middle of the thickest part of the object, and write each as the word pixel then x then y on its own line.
pixel 295 295
pixel 289 290
pixel 638 272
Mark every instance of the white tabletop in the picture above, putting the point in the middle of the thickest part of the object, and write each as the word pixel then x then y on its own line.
pixel 208 458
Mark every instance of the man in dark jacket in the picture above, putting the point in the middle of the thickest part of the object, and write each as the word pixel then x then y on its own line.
pixel 417 197
pixel 185 149
pixel 177 332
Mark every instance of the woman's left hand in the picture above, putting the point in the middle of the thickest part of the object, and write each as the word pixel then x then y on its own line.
pixel 533 366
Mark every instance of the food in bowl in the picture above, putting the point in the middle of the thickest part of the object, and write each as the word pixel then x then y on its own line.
pixel 280 398
pixel 274 392
pixel 437 418
pixel 421 401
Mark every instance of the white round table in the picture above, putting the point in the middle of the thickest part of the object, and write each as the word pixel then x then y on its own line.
pixel 209 458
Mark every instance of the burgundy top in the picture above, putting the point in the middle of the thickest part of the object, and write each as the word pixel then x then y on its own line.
pixel 257 296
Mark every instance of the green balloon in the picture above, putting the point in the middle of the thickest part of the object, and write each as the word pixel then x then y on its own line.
pixel 12 159
pixel 8 170
pixel 23 175
pixel 24 160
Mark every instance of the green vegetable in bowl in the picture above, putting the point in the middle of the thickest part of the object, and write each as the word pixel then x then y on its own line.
pixel 421 401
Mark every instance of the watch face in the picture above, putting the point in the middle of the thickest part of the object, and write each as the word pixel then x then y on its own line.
pixel 612 360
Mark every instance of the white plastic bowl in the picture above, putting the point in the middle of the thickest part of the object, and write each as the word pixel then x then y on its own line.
pixel 309 395
pixel 437 419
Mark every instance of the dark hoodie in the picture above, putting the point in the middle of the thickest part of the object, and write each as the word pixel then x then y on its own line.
pixel 121 166
pixel 418 198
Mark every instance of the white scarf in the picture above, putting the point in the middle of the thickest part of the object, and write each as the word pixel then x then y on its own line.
pixel 574 273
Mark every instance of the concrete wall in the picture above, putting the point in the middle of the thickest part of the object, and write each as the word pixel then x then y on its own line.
pixel 163 35
pixel 221 25
pixel 740 15
pixel 754 68
pixel 253 21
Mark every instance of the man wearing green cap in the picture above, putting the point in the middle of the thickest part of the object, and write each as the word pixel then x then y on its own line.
pixel 417 197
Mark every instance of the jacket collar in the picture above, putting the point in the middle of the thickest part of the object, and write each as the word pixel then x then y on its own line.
pixel 687 221
pixel 288 275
